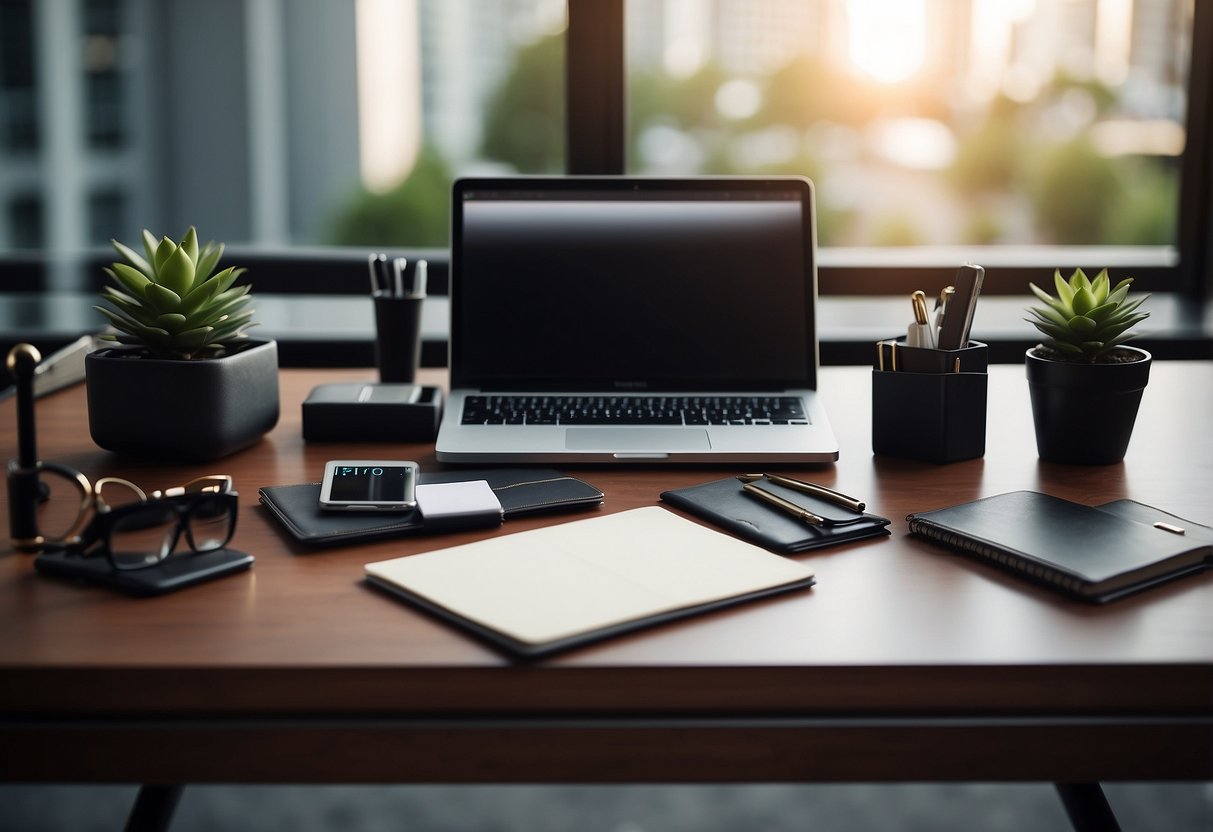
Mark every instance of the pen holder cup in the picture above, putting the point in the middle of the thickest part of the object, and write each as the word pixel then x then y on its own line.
pixel 929 405
pixel 397 337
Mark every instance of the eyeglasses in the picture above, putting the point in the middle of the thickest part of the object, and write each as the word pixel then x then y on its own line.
pixel 130 528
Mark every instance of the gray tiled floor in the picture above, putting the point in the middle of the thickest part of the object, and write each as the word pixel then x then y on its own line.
pixel 775 808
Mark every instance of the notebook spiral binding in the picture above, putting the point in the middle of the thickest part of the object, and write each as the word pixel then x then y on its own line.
pixel 1013 563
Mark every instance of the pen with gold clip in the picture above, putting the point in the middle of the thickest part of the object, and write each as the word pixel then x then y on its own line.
pixel 920 333
pixel 784 505
pixel 828 494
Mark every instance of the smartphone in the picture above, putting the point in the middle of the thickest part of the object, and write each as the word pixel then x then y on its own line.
pixel 369 485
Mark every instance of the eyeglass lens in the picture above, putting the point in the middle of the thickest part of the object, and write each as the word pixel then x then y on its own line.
pixel 208 523
pixel 143 536
pixel 147 535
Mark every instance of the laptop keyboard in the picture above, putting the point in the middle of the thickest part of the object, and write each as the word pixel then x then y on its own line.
pixel 633 410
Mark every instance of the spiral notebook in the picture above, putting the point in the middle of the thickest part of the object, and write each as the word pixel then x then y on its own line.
pixel 1096 553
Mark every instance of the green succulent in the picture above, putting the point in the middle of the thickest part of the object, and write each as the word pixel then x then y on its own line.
pixel 1088 318
pixel 171 302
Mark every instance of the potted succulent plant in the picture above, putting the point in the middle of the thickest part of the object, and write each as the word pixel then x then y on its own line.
pixel 186 384
pixel 1086 385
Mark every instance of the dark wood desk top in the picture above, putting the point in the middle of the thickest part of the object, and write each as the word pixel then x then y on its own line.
pixel 894 627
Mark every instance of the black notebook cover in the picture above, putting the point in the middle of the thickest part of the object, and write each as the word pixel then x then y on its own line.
pixel 725 503
pixel 1097 553
pixel 519 490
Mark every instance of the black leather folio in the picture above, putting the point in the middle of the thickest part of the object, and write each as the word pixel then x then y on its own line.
pixel 725 504
pixel 1096 553
pixel 519 490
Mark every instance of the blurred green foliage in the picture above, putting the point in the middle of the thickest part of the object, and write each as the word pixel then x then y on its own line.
pixel 524 128
pixel 1007 156
pixel 416 212
pixel 1073 189
pixel 524 121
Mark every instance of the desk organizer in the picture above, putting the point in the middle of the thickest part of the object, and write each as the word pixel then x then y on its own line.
pixel 929 405
pixel 344 412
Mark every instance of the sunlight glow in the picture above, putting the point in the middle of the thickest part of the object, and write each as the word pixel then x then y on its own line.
pixel 389 91
pixel 738 99
pixel 887 39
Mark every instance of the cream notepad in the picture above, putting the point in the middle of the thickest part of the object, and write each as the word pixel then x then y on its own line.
pixel 539 591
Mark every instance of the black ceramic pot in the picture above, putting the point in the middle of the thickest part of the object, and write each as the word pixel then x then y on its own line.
pixel 182 411
pixel 1084 413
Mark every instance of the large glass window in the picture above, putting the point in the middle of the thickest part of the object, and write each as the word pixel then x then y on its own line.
pixel 306 122
pixel 18 104
pixel 484 94
pixel 926 122
pixel 931 127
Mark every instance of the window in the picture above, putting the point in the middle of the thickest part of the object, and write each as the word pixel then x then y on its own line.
pixel 487 96
pixel 1026 133
pixel 104 53
pixel 269 123
pixel 18 104
pixel 25 222
pixel 926 123
pixel 1021 133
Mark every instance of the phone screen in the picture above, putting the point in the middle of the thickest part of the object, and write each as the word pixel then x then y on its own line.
pixel 361 483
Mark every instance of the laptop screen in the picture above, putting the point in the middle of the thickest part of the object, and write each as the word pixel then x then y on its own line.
pixel 632 284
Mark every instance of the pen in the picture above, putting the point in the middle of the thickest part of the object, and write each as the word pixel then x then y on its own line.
pixel 920 333
pixel 784 505
pixel 420 276
pixel 398 266
pixel 829 494
pixel 377 266
pixel 941 307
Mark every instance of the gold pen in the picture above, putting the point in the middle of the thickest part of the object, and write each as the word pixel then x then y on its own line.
pixel 784 505
pixel 828 494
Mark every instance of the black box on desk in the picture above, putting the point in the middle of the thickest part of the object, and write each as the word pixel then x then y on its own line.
pixel 929 405
pixel 372 412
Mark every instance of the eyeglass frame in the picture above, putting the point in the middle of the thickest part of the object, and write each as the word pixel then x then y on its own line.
pixel 26 492
pixel 82 537
pixel 215 488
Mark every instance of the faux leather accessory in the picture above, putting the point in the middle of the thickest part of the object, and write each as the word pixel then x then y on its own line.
pixel 520 491
pixel 178 571
pixel 1097 553
pixel 725 503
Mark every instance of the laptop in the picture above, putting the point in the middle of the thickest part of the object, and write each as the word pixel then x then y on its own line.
pixel 621 319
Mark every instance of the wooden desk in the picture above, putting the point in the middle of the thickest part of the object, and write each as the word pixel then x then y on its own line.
pixel 904 663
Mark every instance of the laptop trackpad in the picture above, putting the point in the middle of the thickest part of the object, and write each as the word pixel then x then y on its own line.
pixel 636 439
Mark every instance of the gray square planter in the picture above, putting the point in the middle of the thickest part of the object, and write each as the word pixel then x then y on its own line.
pixel 182 411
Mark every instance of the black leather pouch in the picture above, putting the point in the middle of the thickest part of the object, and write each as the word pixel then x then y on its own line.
pixel 519 490
pixel 725 503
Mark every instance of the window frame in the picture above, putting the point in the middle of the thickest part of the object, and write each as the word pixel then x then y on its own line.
pixel 596 134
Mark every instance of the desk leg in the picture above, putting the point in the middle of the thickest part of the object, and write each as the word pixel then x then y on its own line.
pixel 1087 807
pixel 153 809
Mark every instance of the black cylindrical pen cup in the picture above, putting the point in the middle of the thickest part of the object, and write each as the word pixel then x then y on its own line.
pixel 397 336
